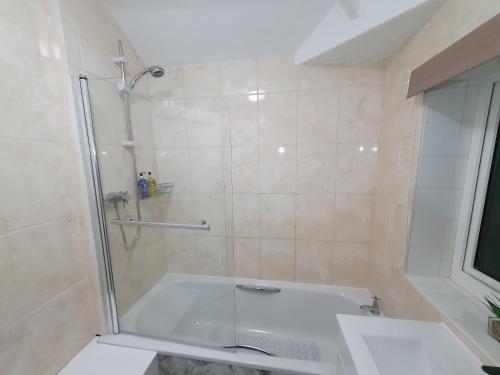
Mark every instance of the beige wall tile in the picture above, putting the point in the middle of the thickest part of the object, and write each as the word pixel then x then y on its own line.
pixel 47 259
pixel 36 199
pixel 152 246
pixel 71 34
pixel 317 116
pixel 36 105
pixel 128 277
pixel 190 81
pixel 26 24
pixel 243 118
pixel 277 216
pixel 246 215
pixel 382 211
pixel 315 261
pixel 277 74
pixel 39 336
pixel 177 206
pixel 315 217
pixel 210 207
pixel 198 80
pixel 146 161
pixel 278 119
pixel 353 218
pixel 278 259
pixel 206 168
pixel 107 112
pixel 352 264
pixel 211 254
pixel 402 181
pixel 98 52
pixel 173 166
pixel 204 122
pixel 316 168
pixel 245 169
pixel 319 77
pixel 8 285
pixel 230 261
pixel 117 248
pixel 360 110
pixel 247 257
pixel 356 167
pixel 142 126
pixel 114 170
pixel 180 252
pixel 363 74
pixel 386 167
pixel 170 124
pixel 277 169
pixel 227 173
pixel 397 236
pixel 238 77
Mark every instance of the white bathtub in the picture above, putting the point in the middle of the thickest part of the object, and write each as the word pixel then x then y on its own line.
pixel 195 316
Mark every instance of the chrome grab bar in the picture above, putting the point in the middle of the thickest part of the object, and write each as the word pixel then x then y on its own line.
pixel 258 288
pixel 202 226
pixel 248 347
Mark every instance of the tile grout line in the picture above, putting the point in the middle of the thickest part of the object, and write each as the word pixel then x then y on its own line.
pixel 86 279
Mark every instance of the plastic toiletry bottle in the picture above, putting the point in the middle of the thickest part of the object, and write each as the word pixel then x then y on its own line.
pixel 142 186
pixel 152 185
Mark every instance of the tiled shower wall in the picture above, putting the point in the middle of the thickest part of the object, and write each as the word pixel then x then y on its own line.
pixel 48 309
pixel 398 152
pixel 279 159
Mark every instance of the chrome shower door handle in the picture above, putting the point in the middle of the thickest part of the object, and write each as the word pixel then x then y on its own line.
pixel 255 288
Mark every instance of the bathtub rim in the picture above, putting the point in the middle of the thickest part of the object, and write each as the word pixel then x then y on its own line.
pixel 357 295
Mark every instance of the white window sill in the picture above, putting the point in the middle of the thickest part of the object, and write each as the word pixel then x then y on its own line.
pixel 461 308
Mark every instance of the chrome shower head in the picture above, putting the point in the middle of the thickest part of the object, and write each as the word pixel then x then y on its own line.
pixel 155 71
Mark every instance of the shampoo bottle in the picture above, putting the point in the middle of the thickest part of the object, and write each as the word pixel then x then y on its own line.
pixel 142 187
pixel 152 186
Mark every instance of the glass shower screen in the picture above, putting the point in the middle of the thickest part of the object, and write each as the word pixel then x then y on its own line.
pixel 173 278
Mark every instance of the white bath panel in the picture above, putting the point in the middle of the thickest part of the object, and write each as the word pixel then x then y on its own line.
pixel 103 359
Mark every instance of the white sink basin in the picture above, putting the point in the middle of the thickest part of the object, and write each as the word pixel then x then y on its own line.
pixel 379 346
pixel 410 353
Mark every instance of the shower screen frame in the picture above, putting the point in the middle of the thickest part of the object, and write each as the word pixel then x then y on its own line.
pixel 96 206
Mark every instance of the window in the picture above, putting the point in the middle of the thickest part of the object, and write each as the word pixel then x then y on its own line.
pixel 487 256
pixel 480 212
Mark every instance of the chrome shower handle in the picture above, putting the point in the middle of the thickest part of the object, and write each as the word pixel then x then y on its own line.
pixel 264 289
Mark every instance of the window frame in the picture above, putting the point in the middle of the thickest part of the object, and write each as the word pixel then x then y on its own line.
pixel 477 176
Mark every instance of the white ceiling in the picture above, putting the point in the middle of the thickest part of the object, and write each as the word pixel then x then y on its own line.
pixel 177 32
